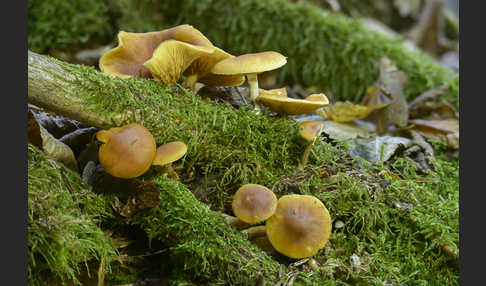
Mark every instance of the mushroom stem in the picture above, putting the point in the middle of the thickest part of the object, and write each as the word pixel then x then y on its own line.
pixel 305 156
pixel 253 83
pixel 255 231
pixel 190 82
pixel 235 222
pixel 167 169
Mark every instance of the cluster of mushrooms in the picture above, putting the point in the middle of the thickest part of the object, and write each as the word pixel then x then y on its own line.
pixel 169 54
pixel 297 226
pixel 183 51
pixel 129 151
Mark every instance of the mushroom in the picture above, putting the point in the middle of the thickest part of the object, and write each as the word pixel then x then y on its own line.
pixel 291 106
pixel 126 60
pixel 310 130
pixel 127 151
pixel 300 227
pixel 250 65
pixel 166 154
pixel 200 71
pixel 254 203
pixel 281 92
pixel 172 58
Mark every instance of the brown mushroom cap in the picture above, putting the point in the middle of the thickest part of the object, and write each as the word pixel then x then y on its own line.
pixel 250 63
pixel 310 130
pixel 292 106
pixel 300 226
pixel 128 151
pixel 126 60
pixel 169 153
pixel 172 57
pixel 254 203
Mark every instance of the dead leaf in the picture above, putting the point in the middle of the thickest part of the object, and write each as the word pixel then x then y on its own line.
pixel 379 148
pixel 41 138
pixel 350 130
pixel 434 110
pixel 446 130
pixel 347 111
pixel 429 94
pixel 387 89
pixel 429 32
pixel 55 124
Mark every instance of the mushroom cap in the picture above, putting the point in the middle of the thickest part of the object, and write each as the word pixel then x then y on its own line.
pixel 286 105
pixel 172 57
pixel 169 153
pixel 126 60
pixel 282 92
pixel 310 130
pixel 254 203
pixel 300 227
pixel 222 80
pixel 128 151
pixel 250 63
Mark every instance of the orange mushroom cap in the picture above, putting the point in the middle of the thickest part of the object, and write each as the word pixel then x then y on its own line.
pixel 300 227
pixel 254 203
pixel 310 130
pixel 169 153
pixel 127 151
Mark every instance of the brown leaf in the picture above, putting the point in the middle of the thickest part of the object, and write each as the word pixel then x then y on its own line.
pixel 387 89
pixel 434 110
pixel 446 130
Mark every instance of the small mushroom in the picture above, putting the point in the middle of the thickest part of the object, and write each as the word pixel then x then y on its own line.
pixel 166 154
pixel 127 151
pixel 281 92
pixel 300 227
pixel 126 60
pixel 310 131
pixel 250 65
pixel 171 58
pixel 291 106
pixel 254 203
pixel 200 71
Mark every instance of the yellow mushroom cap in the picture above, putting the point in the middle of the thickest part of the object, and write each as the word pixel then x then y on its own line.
pixel 201 67
pixel 292 106
pixel 128 151
pixel 254 203
pixel 300 227
pixel 126 60
pixel 172 57
pixel 169 153
pixel 250 63
pixel 282 92
pixel 310 130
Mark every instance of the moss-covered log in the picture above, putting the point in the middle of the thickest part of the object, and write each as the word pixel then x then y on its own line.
pixel 330 51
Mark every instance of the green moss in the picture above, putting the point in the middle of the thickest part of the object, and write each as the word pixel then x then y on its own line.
pixel 329 51
pixel 63 217
pixel 59 24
